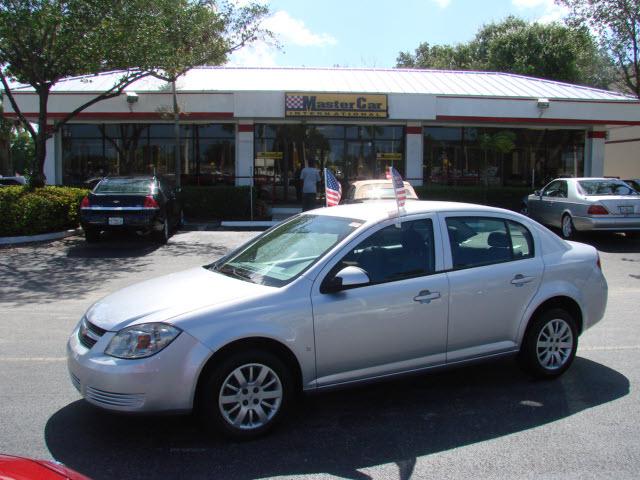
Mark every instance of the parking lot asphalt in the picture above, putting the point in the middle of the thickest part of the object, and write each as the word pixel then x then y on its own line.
pixel 481 421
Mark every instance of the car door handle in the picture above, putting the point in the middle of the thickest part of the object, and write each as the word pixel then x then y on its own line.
pixel 520 280
pixel 425 296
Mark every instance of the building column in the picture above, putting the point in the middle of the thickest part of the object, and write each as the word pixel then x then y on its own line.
pixel 594 154
pixel 244 153
pixel 414 153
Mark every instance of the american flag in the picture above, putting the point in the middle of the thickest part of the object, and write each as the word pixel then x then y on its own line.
pixel 333 189
pixel 398 187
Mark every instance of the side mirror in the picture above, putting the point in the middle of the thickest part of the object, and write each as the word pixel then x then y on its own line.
pixel 348 277
pixel 537 193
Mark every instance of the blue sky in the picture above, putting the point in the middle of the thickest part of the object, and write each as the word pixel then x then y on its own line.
pixel 370 33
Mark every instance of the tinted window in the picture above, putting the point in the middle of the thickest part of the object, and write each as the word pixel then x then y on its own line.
pixel 556 189
pixel 126 185
pixel 479 241
pixel 395 253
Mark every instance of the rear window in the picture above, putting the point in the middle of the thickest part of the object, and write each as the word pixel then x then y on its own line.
pixel 126 185
pixel 605 187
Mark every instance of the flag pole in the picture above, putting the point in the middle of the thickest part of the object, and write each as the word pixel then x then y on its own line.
pixel 326 200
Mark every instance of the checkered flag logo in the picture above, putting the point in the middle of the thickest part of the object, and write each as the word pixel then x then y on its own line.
pixel 294 102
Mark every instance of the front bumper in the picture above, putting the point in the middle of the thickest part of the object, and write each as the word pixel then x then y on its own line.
pixel 607 223
pixel 164 382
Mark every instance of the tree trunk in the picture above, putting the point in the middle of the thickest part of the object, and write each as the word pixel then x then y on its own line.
pixel 38 178
pixel 176 131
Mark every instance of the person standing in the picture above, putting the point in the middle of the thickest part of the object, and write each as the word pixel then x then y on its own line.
pixel 310 177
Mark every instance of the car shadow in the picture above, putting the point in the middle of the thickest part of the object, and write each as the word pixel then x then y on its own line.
pixel 335 433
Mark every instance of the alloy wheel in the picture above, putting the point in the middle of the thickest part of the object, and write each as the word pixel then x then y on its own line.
pixel 554 344
pixel 250 396
pixel 567 226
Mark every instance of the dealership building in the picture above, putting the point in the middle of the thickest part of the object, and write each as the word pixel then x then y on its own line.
pixel 262 125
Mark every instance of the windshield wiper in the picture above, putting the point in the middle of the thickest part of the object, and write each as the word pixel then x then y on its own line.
pixel 227 269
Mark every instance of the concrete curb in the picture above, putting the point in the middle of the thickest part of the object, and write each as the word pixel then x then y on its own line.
pixel 44 237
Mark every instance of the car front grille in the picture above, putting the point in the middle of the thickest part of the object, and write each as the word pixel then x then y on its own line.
pixel 112 399
pixel 89 334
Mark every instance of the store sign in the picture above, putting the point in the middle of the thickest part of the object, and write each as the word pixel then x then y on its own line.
pixel 389 156
pixel 335 105
pixel 276 155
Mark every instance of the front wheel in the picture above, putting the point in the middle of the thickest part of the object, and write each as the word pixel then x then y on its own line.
pixel 567 228
pixel 246 395
pixel 550 344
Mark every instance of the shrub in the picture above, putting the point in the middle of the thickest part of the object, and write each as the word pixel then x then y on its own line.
pixel 503 197
pixel 30 212
pixel 222 202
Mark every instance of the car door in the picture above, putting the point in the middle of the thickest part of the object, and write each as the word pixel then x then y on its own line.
pixel 494 273
pixel 395 323
pixel 553 202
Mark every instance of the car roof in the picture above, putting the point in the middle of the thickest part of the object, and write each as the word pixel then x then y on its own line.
pixel 375 211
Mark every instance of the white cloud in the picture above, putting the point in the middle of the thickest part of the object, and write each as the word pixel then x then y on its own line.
pixel 551 12
pixel 289 30
pixel 442 3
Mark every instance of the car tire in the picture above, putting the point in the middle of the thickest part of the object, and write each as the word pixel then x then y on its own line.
pixel 162 237
pixel 567 229
pixel 246 395
pixel 91 235
pixel 549 345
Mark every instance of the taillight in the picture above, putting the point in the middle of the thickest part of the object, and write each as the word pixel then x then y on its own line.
pixel 150 202
pixel 85 203
pixel 597 210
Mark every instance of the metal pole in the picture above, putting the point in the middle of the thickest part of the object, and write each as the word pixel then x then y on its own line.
pixel 251 192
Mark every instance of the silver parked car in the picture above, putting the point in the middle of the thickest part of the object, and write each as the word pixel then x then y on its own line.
pixel 334 297
pixel 586 204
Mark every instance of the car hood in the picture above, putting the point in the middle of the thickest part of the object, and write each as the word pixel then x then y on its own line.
pixel 165 298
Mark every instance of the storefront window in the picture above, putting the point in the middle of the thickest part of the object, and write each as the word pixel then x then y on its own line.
pixel 352 152
pixel 498 156
pixel 207 151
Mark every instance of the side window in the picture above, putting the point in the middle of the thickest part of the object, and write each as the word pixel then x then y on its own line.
pixel 553 190
pixel 563 190
pixel 394 253
pixel 477 241
pixel 521 240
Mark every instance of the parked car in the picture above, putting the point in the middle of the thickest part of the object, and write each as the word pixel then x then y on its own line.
pixel 12 181
pixel 364 190
pixel 20 468
pixel 145 204
pixel 334 297
pixel 586 204
pixel 634 182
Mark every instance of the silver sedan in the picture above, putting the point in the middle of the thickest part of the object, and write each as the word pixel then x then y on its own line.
pixel 335 297
pixel 586 204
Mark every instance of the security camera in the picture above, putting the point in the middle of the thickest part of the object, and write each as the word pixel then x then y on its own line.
pixel 543 103
pixel 132 97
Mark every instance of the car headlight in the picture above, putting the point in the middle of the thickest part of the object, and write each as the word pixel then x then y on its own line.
pixel 140 341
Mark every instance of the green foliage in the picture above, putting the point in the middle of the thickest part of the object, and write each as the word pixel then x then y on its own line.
pixel 22 151
pixel 503 197
pixel 617 24
pixel 43 210
pixel 552 51
pixel 44 41
pixel 221 203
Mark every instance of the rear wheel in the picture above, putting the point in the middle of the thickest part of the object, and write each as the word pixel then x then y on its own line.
pixel 91 235
pixel 247 395
pixel 567 228
pixel 163 235
pixel 550 344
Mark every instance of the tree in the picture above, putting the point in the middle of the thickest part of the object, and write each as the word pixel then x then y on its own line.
pixel 44 41
pixel 617 24
pixel 551 51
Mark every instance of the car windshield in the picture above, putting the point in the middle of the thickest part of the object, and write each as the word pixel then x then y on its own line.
pixel 605 187
pixel 126 185
pixel 281 254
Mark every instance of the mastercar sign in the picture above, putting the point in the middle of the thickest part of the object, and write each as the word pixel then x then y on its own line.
pixel 335 105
